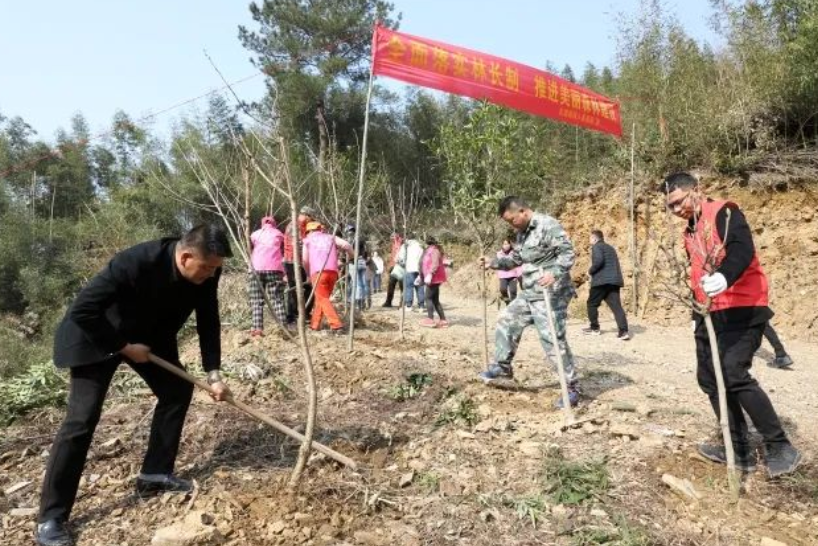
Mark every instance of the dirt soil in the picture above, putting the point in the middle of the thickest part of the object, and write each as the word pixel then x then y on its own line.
pixel 450 462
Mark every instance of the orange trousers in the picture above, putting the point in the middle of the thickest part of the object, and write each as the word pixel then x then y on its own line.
pixel 323 284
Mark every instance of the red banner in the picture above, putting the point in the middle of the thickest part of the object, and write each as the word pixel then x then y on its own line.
pixel 473 74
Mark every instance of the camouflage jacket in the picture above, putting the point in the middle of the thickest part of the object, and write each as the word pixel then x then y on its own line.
pixel 542 246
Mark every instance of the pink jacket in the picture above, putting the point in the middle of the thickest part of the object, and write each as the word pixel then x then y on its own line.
pixel 511 273
pixel 321 252
pixel 268 247
pixel 432 264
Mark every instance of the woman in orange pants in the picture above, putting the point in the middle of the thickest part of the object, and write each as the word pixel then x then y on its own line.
pixel 321 264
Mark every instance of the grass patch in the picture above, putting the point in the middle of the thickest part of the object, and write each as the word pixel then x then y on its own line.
pixel 574 482
pixel 624 534
pixel 413 386
pixel 531 508
pixel 459 410
pixel 429 481
pixel 41 386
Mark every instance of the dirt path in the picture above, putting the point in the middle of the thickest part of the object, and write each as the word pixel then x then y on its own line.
pixel 448 460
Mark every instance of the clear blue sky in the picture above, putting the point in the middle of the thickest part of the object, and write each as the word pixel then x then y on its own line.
pixel 97 56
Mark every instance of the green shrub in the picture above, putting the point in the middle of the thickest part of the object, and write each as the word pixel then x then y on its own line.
pixel 42 385
pixel 574 482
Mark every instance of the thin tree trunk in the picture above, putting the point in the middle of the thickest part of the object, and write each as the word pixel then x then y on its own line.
pixel 361 177
pixel 323 137
pixel 568 412
pixel 245 174
pixel 402 316
pixel 312 398
pixel 632 230
pixel 483 298
pixel 51 214
pixel 733 478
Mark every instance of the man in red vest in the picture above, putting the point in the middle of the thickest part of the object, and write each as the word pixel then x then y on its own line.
pixel 725 271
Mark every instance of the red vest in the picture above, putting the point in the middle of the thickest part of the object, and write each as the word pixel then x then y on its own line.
pixel 750 290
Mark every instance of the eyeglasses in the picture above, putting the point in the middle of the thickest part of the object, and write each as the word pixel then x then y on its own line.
pixel 678 203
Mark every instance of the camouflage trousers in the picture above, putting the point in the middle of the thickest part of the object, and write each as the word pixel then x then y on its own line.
pixel 520 314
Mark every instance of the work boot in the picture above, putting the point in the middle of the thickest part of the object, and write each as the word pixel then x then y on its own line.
pixel 745 457
pixel 782 458
pixel 573 397
pixel 167 484
pixel 52 533
pixel 495 372
pixel 780 362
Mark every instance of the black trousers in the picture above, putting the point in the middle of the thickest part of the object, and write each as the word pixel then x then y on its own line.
pixel 390 288
pixel 772 337
pixel 292 299
pixel 88 387
pixel 736 349
pixel 608 293
pixel 508 289
pixel 433 301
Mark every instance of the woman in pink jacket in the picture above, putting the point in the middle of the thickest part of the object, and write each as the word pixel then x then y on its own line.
pixel 321 263
pixel 433 273
pixel 508 279
pixel 266 258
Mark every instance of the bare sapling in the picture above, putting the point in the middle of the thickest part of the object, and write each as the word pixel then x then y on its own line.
pixel 568 412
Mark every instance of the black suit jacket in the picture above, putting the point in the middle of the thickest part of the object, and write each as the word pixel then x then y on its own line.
pixel 139 297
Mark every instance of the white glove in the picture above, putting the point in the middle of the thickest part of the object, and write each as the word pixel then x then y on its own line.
pixel 427 279
pixel 714 284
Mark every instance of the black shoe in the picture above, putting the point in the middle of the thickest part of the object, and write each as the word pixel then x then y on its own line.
pixel 52 533
pixel 782 458
pixel 745 458
pixel 623 336
pixel 170 484
pixel 386 305
pixel 592 331
pixel 780 362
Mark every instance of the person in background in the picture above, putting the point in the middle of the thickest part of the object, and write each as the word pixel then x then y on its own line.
pixel 410 255
pixel 735 287
pixel 305 215
pixel 434 274
pixel 268 274
pixel 782 359
pixel 394 280
pixel 378 276
pixel 133 308
pixel 321 262
pixel 606 282
pixel 357 273
pixel 508 279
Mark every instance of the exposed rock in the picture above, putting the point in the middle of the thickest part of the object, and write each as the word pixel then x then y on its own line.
pixel 682 487
pixel 629 431
pixel 192 531
pixel 406 479
pixel 16 488
pixel 22 512
pixel 767 541
pixel 369 539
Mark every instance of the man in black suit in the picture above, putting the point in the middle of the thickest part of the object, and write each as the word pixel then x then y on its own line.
pixel 606 282
pixel 135 306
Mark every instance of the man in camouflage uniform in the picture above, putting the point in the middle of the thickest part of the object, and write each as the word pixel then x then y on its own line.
pixel 546 255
